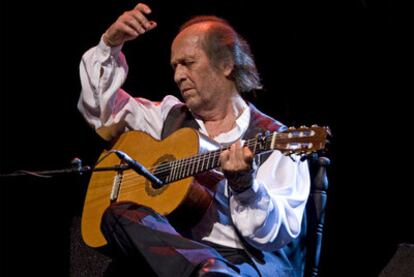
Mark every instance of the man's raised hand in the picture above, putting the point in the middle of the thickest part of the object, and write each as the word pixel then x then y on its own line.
pixel 129 26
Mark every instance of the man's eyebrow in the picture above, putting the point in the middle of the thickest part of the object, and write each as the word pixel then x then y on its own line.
pixel 181 60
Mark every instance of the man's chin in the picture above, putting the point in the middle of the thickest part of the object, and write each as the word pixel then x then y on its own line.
pixel 194 106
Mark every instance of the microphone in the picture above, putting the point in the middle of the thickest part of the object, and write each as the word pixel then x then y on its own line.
pixel 138 168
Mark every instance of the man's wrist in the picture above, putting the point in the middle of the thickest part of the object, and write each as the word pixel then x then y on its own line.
pixel 108 41
pixel 241 181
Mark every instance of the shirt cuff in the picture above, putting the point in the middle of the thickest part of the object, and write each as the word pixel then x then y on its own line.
pixel 250 195
pixel 106 51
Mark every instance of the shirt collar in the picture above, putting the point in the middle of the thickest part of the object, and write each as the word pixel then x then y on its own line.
pixel 242 123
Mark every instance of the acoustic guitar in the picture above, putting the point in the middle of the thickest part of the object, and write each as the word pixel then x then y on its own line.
pixel 174 161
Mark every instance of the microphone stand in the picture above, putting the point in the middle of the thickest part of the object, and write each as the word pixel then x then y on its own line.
pixel 76 167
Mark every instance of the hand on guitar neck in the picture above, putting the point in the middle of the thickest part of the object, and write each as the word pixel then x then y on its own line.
pixel 238 166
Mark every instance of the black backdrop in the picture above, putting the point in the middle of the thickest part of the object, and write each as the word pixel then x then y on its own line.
pixel 346 64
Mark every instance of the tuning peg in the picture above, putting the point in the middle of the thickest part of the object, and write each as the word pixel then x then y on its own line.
pixel 291 128
pixel 315 125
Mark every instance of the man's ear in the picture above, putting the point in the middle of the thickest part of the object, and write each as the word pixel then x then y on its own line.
pixel 228 67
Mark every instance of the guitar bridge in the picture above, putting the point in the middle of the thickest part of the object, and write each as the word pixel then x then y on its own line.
pixel 116 185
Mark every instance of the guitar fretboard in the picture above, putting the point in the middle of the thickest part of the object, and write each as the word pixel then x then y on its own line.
pixel 179 169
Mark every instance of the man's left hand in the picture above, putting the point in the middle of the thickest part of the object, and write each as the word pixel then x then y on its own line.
pixel 238 166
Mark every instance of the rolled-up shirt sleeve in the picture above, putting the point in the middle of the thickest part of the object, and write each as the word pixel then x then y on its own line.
pixel 108 108
pixel 268 215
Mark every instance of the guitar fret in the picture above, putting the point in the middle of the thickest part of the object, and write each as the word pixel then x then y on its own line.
pixel 180 169
pixel 210 156
pixel 193 164
pixel 183 168
pixel 188 165
pixel 206 160
pixel 198 164
pixel 203 159
pixel 216 160
pixel 177 170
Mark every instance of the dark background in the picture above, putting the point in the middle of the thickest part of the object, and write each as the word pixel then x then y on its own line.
pixel 346 64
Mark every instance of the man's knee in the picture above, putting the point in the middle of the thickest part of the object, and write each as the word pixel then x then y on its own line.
pixel 125 212
pixel 129 217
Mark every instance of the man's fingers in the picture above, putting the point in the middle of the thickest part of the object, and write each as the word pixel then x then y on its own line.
pixel 143 8
pixel 153 24
pixel 224 157
pixel 248 155
pixel 141 20
pixel 135 25
pixel 138 14
pixel 238 144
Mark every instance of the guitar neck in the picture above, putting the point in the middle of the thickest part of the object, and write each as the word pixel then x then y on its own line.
pixel 301 140
pixel 183 168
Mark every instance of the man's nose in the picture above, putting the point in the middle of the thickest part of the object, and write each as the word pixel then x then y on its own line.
pixel 179 74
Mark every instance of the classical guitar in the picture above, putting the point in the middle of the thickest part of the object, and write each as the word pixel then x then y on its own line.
pixel 174 161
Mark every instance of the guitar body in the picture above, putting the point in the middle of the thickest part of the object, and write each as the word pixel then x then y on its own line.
pixel 131 186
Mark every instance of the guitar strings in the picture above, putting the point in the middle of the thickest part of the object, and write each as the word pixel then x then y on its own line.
pixel 186 163
pixel 130 179
pixel 166 167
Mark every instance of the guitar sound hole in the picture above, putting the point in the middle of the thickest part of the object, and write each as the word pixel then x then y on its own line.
pixel 162 171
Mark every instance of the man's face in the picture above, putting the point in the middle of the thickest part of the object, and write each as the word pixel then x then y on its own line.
pixel 199 82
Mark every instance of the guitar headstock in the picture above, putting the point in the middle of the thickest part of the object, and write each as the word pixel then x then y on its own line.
pixel 302 140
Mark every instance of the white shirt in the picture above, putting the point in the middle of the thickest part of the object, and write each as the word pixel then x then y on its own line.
pixel 268 215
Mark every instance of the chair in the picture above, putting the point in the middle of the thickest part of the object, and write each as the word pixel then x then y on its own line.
pixel 315 214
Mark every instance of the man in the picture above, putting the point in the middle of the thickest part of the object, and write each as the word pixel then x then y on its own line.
pixel 258 205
